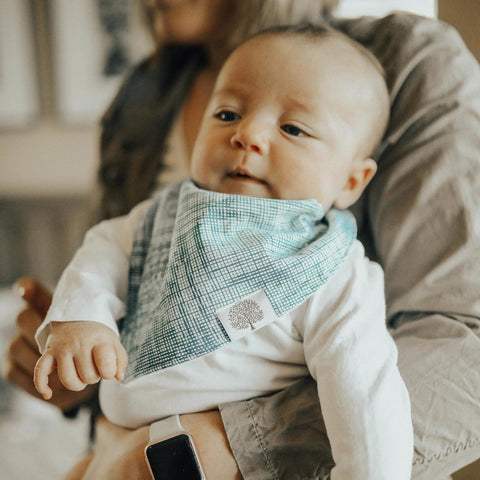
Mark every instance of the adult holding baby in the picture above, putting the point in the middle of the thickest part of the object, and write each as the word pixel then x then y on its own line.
pixel 417 219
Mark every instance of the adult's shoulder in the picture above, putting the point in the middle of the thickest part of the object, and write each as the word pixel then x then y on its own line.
pixel 402 40
pixel 429 71
pixel 419 212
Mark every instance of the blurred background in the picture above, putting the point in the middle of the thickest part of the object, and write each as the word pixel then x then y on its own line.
pixel 61 62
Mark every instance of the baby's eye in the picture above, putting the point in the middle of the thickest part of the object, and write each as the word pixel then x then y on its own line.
pixel 293 130
pixel 227 116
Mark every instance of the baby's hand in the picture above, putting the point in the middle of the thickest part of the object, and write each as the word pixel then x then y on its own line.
pixel 82 352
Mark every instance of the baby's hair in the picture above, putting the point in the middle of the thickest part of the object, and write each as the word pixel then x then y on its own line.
pixel 313 31
pixel 322 31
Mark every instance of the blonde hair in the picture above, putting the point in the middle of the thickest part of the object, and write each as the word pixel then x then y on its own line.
pixel 257 15
pixel 253 16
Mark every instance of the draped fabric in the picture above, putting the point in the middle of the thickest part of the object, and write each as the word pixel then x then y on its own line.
pixel 197 251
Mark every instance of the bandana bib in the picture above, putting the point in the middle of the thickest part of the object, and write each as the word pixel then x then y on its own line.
pixel 208 268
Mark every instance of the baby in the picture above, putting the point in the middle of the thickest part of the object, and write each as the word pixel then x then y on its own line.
pixel 248 277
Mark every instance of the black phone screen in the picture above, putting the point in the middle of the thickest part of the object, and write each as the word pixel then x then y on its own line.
pixel 174 459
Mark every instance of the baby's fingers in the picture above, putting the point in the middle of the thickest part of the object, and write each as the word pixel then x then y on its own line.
pixel 105 359
pixel 67 372
pixel 86 368
pixel 122 360
pixel 43 368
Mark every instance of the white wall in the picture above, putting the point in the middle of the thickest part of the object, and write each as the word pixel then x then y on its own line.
pixel 48 159
pixel 55 153
pixel 353 8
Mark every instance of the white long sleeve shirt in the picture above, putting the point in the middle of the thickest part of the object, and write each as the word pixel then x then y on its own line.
pixel 338 335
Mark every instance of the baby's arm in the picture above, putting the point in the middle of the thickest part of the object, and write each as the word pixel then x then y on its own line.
pixel 92 289
pixel 352 356
pixel 82 352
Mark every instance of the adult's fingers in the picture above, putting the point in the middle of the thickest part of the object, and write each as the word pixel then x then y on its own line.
pixel 28 321
pixel 19 377
pixel 38 299
pixel 21 354
pixel 20 371
pixel 20 368
pixel 34 293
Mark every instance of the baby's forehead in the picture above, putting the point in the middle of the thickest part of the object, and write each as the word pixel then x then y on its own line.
pixel 280 45
pixel 323 73
pixel 294 54
pixel 286 60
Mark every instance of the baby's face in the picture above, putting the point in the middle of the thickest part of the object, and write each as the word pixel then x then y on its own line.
pixel 281 124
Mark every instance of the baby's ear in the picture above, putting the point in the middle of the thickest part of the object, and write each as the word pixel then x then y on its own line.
pixel 360 175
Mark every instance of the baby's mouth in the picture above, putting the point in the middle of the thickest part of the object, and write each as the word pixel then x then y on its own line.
pixel 243 174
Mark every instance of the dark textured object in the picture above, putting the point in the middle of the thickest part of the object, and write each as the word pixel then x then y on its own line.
pixel 113 16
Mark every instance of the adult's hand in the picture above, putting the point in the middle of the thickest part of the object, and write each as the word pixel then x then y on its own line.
pixel 22 354
pixel 119 453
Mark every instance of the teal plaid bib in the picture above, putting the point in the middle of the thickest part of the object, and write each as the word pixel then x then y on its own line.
pixel 207 268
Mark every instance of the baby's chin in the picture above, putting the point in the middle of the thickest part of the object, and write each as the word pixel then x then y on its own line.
pixel 245 186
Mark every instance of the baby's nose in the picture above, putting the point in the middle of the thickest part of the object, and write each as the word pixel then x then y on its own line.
pixel 251 136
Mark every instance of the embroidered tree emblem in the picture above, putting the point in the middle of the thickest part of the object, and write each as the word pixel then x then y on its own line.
pixel 245 314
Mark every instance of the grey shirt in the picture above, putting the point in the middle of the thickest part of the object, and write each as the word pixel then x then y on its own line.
pixel 420 218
